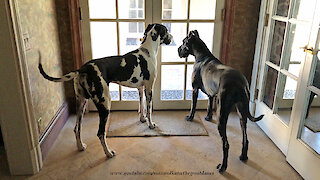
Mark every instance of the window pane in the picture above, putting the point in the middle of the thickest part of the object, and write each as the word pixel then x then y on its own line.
pixel 304 9
pixel 316 77
pixel 103 39
pixel 114 91
pixel 129 93
pixel 298 37
pixel 283 8
pixel 205 31
pixel 130 9
pixel 277 42
pixel 169 53
pixel 201 95
pixel 176 9
pixel 202 9
pixel 286 98
pixel 311 130
pixel 102 9
pixel 129 36
pixel 270 87
pixel 172 82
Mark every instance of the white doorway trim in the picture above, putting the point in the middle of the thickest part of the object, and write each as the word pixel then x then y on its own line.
pixel 18 126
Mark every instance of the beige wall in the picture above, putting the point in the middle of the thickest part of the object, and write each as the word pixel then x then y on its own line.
pixel 47 24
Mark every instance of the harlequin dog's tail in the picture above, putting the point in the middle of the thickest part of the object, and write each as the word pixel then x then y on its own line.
pixel 66 77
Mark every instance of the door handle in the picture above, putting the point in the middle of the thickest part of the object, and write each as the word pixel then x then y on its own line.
pixel 309 50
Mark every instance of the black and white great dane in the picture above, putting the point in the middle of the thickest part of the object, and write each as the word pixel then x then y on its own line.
pixel 228 85
pixel 137 69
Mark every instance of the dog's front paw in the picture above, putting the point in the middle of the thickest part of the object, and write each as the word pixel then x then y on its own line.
pixel 142 119
pixel 221 168
pixel 111 154
pixel 243 158
pixel 208 118
pixel 152 125
pixel 189 118
pixel 82 147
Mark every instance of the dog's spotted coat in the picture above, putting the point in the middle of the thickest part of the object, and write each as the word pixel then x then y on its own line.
pixel 136 69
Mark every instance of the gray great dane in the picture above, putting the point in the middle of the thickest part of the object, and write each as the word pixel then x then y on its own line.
pixel 136 69
pixel 228 85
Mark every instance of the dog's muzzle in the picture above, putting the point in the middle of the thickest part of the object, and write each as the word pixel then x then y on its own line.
pixel 168 39
pixel 182 52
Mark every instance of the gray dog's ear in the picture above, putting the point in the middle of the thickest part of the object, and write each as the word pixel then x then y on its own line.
pixel 195 33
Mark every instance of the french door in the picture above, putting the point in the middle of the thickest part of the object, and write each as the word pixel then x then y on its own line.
pixel 114 27
pixel 288 76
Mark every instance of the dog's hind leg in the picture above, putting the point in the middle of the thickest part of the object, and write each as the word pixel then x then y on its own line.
pixel 102 100
pixel 148 94
pixel 209 115
pixel 141 106
pixel 104 112
pixel 81 104
pixel 243 122
pixel 195 92
pixel 223 110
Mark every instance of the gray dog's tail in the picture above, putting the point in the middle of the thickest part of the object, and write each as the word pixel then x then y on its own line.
pixel 245 100
pixel 66 77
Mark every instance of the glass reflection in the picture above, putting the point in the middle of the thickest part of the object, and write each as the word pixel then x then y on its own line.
pixel 277 42
pixel 283 7
pixel 311 130
pixel 270 87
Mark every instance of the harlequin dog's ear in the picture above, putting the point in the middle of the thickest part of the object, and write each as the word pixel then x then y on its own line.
pixel 149 27
pixel 159 31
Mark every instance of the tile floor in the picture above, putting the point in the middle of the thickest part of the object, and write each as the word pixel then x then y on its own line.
pixel 162 155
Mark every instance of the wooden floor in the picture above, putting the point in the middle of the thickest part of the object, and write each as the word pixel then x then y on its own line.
pixel 177 157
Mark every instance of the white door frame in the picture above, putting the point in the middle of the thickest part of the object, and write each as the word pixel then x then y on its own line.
pixel 308 162
pixel 18 125
pixel 271 122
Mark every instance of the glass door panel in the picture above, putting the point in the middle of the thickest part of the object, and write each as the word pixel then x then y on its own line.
pixel 285 99
pixel 270 87
pixel 283 8
pixel 205 31
pixel 169 53
pixel 310 132
pixel 201 95
pixel 298 37
pixel 101 9
pixel 172 82
pixel 197 7
pixel 277 42
pixel 102 38
pixel 180 17
pixel 114 27
pixel 174 9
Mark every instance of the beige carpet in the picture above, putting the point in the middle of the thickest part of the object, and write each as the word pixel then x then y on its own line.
pixel 167 124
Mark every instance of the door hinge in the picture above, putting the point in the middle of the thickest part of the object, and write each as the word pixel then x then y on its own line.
pixel 256 94
pixel 223 14
pixel 266 19
pixel 80 13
